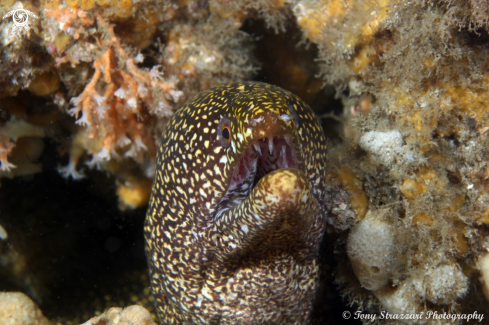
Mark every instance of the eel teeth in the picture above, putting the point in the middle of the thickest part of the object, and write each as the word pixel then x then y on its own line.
pixel 270 145
pixel 257 148
pixel 245 166
pixel 255 164
pixel 283 155
pixel 287 140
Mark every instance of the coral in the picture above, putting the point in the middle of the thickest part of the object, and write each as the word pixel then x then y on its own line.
pixel 18 309
pixel 89 56
pixel 120 105
pixel 117 106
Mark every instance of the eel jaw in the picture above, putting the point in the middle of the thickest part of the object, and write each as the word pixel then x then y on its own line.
pixel 280 214
pixel 260 158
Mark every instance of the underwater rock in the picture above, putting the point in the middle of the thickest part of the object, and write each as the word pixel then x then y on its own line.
pixel 132 315
pixel 400 300
pixel 440 285
pixel 375 250
pixel 19 309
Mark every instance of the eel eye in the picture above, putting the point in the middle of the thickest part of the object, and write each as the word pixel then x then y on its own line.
pixel 224 132
pixel 296 116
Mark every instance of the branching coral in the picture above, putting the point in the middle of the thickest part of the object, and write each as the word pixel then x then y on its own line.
pixel 122 104
pixel 112 108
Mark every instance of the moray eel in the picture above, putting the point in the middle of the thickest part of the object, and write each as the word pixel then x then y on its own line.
pixel 237 211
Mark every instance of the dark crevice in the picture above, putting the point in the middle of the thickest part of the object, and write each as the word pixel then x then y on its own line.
pixel 77 245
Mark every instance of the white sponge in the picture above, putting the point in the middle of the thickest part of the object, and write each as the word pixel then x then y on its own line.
pixel 371 250
pixel 385 146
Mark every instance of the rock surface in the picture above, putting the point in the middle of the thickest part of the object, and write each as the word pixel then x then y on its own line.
pixel 18 309
pixel 132 315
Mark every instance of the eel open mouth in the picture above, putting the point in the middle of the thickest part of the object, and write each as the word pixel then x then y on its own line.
pixel 260 158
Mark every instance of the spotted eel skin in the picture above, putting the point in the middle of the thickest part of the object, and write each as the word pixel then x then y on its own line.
pixel 237 214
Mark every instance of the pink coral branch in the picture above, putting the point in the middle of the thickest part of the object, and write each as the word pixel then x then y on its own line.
pixel 111 105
